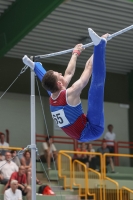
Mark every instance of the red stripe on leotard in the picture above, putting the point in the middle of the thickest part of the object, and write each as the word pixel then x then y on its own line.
pixel 75 130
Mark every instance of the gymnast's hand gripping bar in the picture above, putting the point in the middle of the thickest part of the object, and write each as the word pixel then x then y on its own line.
pixel 85 46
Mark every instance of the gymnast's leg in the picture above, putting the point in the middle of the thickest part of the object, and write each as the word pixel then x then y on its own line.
pixel 95 113
pixel 37 67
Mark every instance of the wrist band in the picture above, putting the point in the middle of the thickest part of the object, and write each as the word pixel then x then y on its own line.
pixel 76 51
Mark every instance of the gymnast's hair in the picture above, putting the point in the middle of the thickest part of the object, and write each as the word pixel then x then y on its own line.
pixel 49 82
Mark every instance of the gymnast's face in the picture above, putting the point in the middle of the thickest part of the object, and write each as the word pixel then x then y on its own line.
pixel 61 81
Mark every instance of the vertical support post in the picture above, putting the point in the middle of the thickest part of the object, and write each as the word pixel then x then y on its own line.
pixel 33 128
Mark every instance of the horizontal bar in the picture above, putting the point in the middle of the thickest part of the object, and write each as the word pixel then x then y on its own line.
pixel 84 46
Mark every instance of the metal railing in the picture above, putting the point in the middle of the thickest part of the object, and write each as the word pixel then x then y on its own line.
pixel 11 148
pixel 126 193
pixel 97 143
pixel 110 194
pixel 65 169
pixel 80 179
pixel 90 182
pixel 96 191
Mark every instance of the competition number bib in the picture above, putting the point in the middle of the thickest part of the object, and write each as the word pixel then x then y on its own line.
pixel 60 118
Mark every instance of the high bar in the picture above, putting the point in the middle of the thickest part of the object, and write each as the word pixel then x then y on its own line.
pixel 38 57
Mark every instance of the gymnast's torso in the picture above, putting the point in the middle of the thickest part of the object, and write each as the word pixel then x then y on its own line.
pixel 70 119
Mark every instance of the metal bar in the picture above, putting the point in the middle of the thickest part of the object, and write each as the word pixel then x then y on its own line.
pixel 55 142
pixel 11 148
pixel 85 46
pixel 33 128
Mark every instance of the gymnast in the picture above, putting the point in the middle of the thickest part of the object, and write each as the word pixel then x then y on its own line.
pixel 65 103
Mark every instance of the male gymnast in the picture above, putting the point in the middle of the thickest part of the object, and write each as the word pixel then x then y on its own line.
pixel 65 103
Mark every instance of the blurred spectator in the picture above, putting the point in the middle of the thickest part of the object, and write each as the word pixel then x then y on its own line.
pixel 50 151
pixel 2 157
pixel 110 136
pixel 26 162
pixel 3 144
pixel 103 149
pixel 20 176
pixel 81 157
pixel 91 158
pixel 13 193
pixel 7 167
pixel 15 157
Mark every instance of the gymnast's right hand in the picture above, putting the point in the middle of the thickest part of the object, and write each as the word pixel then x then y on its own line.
pixel 78 49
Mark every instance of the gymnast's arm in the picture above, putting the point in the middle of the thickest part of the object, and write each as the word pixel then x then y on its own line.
pixel 72 64
pixel 76 89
